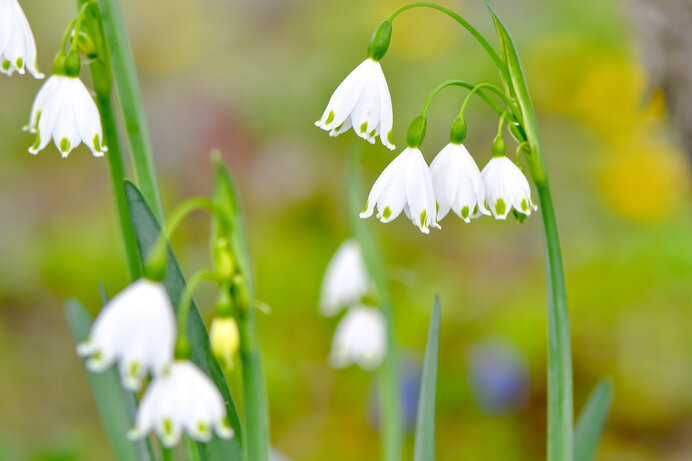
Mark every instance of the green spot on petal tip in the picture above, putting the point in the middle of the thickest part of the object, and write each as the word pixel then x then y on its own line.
pixel 386 213
pixel 330 117
pixel 500 207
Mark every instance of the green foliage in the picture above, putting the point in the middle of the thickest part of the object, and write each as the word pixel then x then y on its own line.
pixel 147 231
pixel 591 421
pixel 425 423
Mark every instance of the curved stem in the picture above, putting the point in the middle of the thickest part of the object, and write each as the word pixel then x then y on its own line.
pixel 494 89
pixel 186 302
pixel 477 35
pixel 130 98
pixel 462 84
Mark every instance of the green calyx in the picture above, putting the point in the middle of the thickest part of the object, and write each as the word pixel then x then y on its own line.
pixel 73 64
pixel 458 132
pixel 183 350
pixel 499 147
pixel 156 263
pixel 59 64
pixel 379 43
pixel 416 131
pixel 224 304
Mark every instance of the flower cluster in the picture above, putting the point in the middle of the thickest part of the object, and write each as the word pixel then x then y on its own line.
pixel 360 335
pixel 63 110
pixel 137 331
pixel 424 193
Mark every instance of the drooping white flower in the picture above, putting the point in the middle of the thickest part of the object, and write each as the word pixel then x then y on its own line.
pixel 458 183
pixel 346 279
pixel 506 187
pixel 65 112
pixel 406 184
pixel 17 45
pixel 136 329
pixel 361 101
pixel 181 398
pixel 360 338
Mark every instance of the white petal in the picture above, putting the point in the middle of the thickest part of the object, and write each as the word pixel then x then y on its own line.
pixel 344 98
pixel 395 168
pixel 346 279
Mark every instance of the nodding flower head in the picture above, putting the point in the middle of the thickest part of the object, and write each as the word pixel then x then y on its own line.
pixel 17 45
pixel 360 338
pixel 405 185
pixel 458 183
pixel 65 112
pixel 506 187
pixel 361 101
pixel 135 329
pixel 181 398
pixel 346 280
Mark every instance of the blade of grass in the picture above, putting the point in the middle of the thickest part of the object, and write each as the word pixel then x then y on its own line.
pixel 116 406
pixel 147 231
pixel 425 422
pixel 591 421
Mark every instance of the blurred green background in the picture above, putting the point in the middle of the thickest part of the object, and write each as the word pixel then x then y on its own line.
pixel 251 78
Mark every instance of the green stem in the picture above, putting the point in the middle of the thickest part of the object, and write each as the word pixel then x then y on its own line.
pixel 191 449
pixel 560 409
pixel 256 444
pixel 117 173
pixel 494 89
pixel 185 305
pixel 477 35
pixel 469 86
pixel 390 411
pixel 130 98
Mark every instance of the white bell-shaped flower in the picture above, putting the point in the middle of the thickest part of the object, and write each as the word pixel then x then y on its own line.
pixel 181 398
pixel 65 112
pixel 360 338
pixel 406 184
pixel 506 187
pixel 361 101
pixel 346 279
pixel 136 329
pixel 17 45
pixel 458 183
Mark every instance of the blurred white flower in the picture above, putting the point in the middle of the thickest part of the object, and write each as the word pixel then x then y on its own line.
pixel 406 184
pixel 458 183
pixel 506 187
pixel 17 45
pixel 65 112
pixel 137 329
pixel 361 101
pixel 360 338
pixel 346 279
pixel 181 398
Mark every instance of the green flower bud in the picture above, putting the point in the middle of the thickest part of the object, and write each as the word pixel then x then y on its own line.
pixel 458 133
pixel 379 43
pixel 224 263
pixel 225 340
pixel 85 44
pixel 73 64
pixel 224 304
pixel 182 348
pixel 241 293
pixel 59 64
pixel 416 132
pixel 499 147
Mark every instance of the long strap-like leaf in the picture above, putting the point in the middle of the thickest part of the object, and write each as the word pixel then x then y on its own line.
pixel 425 422
pixel 147 232
pixel 591 421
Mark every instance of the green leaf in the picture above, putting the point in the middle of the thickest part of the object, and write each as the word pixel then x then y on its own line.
pixel 116 406
pixel 256 410
pixel 425 422
pixel 147 232
pixel 591 421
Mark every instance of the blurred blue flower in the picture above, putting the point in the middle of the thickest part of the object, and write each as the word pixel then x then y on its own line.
pixel 498 377
pixel 409 390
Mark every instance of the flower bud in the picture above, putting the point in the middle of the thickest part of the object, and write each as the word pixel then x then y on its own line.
pixel 224 304
pixel 224 263
pixel 416 132
pixel 156 263
pixel 73 64
pixel 225 340
pixel 458 133
pixel 241 293
pixel 379 43
pixel 85 44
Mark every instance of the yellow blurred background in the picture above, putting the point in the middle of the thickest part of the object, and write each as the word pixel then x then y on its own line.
pixel 251 78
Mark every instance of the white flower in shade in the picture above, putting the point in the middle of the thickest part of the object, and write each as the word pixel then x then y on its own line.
pixel 458 183
pixel 361 101
pixel 136 329
pixel 506 187
pixel 406 184
pixel 65 112
pixel 17 46
pixel 181 398
pixel 346 279
pixel 360 338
